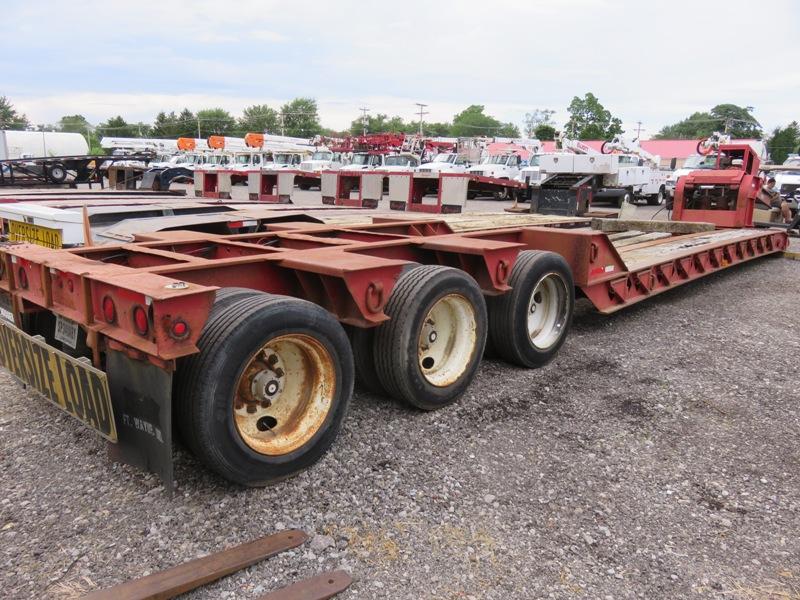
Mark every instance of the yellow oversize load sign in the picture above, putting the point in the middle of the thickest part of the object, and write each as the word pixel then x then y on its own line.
pixel 35 234
pixel 73 385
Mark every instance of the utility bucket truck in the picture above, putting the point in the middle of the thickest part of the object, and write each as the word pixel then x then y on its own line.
pixel 621 170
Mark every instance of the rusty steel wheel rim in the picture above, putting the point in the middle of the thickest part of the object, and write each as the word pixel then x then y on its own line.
pixel 284 394
pixel 447 340
pixel 547 311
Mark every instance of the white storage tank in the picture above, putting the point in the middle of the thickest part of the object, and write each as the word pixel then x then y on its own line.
pixel 35 144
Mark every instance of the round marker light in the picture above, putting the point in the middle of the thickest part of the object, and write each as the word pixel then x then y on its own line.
pixel 109 310
pixel 140 321
pixel 179 329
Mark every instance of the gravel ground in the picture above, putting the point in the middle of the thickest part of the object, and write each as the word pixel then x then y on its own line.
pixel 657 457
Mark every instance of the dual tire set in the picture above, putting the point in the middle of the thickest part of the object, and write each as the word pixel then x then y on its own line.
pixel 266 395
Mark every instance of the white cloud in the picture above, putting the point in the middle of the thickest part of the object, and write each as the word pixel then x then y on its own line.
pixel 651 61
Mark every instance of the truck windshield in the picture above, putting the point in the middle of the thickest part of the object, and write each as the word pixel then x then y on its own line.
pixel 498 159
pixel 242 159
pixel 283 158
pixel 360 159
pixel 445 158
pixel 400 161
pixel 322 155
pixel 534 161
pixel 701 162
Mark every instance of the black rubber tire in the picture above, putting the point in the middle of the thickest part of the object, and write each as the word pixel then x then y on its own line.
pixel 227 295
pixel 304 186
pixel 657 199
pixel 57 173
pixel 362 341
pixel 395 346
pixel 626 197
pixel 508 328
pixel 206 382
pixel 181 399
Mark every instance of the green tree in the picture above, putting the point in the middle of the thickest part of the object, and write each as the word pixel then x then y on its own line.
pixel 74 124
pixel 79 124
pixel 10 118
pixel 697 125
pixel 118 127
pixel 544 132
pixel 784 141
pixel 737 121
pixel 439 129
pixel 216 121
pixel 381 123
pixel 473 121
pixel 259 118
pixel 300 118
pixel 590 120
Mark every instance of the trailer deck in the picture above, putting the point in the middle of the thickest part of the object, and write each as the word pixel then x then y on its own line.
pixel 139 311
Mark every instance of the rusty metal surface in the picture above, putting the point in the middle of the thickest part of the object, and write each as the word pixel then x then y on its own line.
pixel 319 587
pixel 194 573
pixel 349 269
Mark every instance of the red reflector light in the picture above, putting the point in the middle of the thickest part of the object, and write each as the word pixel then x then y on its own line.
pixel 140 321
pixel 179 329
pixel 109 310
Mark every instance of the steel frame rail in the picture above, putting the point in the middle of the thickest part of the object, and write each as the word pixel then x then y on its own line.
pixel 348 270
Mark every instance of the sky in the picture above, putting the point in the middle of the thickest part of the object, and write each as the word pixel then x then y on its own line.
pixel 649 61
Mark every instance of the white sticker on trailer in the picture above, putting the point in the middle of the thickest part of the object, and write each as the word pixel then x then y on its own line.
pixel 66 331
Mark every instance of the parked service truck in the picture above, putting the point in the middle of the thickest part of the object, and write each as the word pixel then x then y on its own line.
pixel 37 144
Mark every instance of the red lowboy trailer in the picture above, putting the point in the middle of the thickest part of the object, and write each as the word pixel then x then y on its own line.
pixel 251 343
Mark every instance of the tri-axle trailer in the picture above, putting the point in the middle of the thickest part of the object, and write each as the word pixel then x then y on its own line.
pixel 251 343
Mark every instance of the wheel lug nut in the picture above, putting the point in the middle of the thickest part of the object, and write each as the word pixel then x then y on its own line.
pixel 266 404
pixel 278 372
pixel 251 408
pixel 272 359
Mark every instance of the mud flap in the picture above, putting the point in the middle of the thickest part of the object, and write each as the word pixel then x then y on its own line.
pixel 141 395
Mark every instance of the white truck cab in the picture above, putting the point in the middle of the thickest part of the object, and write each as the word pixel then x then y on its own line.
pixel 445 162
pixel 788 182
pixel 322 160
pixel 531 173
pixel 285 160
pixel 363 161
pixel 404 161
pixel 695 162
pixel 500 166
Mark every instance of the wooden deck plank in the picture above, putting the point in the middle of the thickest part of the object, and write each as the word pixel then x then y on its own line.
pixel 644 237
pixel 637 258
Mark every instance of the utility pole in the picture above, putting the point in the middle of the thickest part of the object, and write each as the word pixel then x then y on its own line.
pixel 422 112
pixel 281 115
pixel 198 129
pixel 639 129
pixel 364 112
